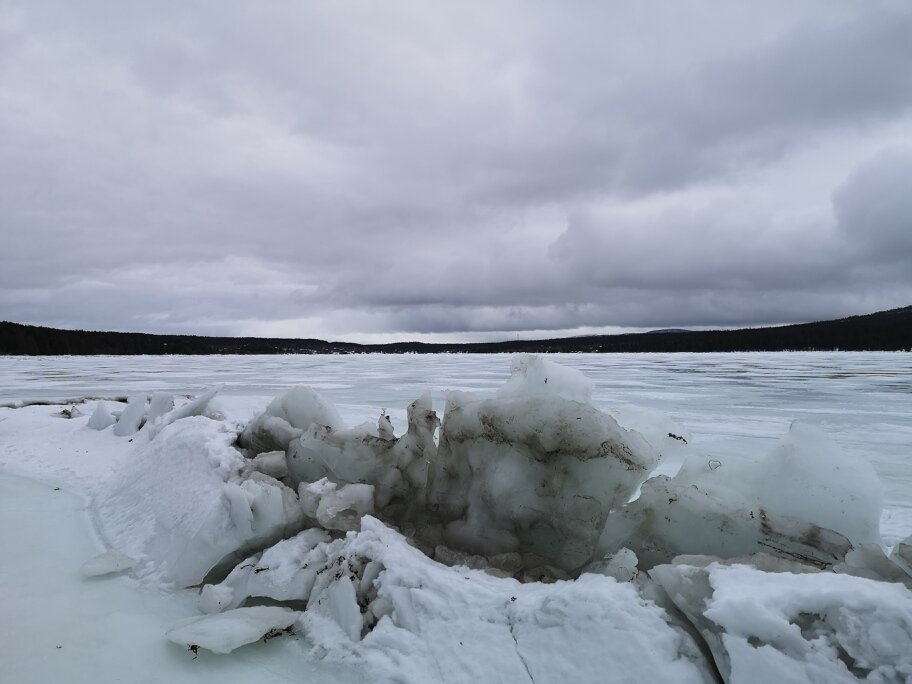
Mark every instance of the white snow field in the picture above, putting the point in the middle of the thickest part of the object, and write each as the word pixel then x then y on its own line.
pixel 457 518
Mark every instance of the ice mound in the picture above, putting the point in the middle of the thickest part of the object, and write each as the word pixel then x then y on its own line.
pixel 534 470
pixel 536 475
pixel 788 627
pixel 806 500
pixel 501 544
pixel 396 468
pixel 185 501
pixel 286 418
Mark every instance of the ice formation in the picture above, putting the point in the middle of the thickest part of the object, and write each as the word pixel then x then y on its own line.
pixel 532 474
pixel 132 416
pixel 350 530
pixel 805 500
pixel 373 597
pixel 225 632
pixel 286 418
pixel 101 417
pixel 788 626
pixel 186 502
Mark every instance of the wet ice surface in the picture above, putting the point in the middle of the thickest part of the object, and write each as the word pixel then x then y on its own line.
pixel 56 626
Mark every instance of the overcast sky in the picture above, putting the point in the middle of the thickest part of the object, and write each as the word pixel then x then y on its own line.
pixel 417 170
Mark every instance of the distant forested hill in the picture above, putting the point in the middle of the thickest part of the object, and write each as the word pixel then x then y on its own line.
pixel 882 331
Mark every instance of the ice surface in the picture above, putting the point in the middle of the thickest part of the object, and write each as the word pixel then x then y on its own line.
pixel 58 627
pixel 224 632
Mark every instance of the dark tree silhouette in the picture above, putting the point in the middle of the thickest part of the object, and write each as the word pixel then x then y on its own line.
pixel 882 331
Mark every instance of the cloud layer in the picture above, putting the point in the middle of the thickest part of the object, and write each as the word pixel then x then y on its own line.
pixel 452 171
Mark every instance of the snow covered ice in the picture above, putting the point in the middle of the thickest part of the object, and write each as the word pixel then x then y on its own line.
pixel 512 533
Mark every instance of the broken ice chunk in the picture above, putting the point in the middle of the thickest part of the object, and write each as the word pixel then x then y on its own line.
pixel 110 562
pixel 339 603
pixel 902 554
pixel 271 463
pixel 396 467
pixel 132 416
pixel 224 632
pixel 286 571
pixel 195 407
pixel 286 418
pixel 622 566
pixel 670 518
pixel 532 375
pixel 160 404
pixel 806 476
pixel 806 501
pixel 101 417
pixel 334 507
pixel 787 627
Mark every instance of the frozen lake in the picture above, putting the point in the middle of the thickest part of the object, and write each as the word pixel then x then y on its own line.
pixel 725 404
pixel 729 403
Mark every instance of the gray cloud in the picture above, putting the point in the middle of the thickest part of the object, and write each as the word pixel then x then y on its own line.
pixel 471 170
pixel 874 208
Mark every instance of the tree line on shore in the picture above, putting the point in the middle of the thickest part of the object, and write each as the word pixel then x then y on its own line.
pixel 881 331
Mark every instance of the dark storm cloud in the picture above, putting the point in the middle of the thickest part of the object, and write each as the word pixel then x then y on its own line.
pixel 356 169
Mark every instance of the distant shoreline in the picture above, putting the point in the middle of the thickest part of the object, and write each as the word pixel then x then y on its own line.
pixel 881 331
